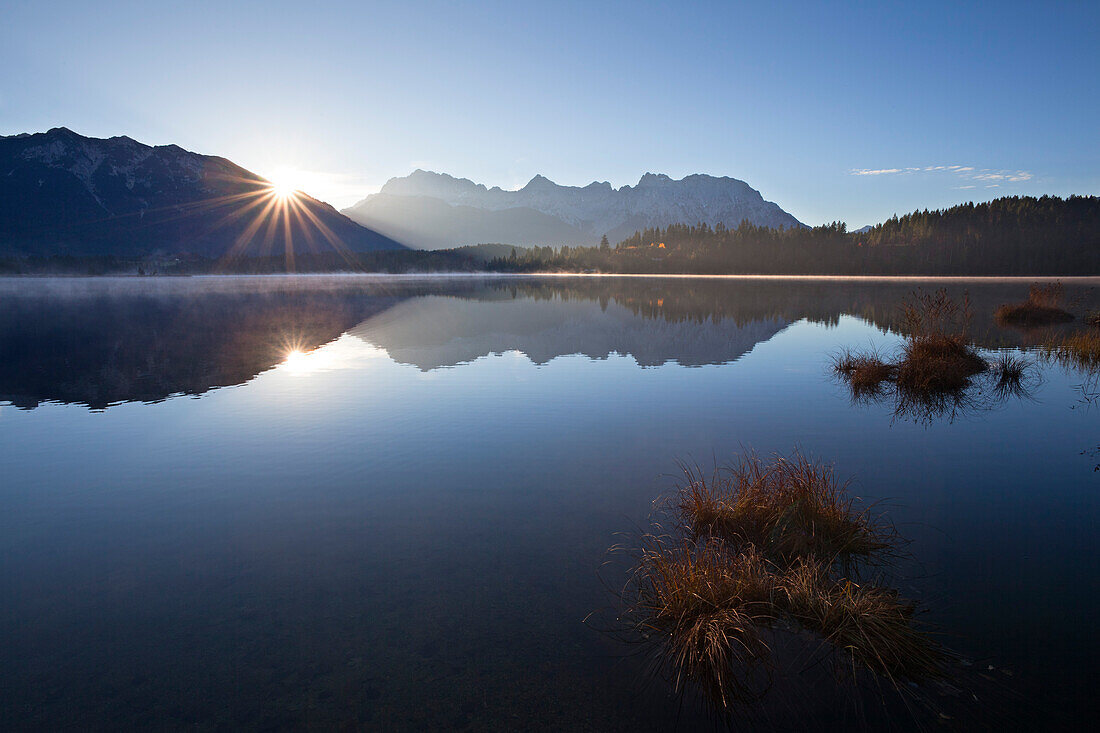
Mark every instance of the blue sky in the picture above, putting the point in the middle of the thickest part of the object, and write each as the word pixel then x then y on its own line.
pixel 835 111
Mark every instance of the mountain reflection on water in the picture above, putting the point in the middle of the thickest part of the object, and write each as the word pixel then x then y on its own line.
pixel 108 341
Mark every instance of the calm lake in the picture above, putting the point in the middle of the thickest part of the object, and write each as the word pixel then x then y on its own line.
pixel 386 502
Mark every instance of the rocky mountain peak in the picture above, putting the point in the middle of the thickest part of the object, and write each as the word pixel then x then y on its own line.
pixel 540 183
pixel 653 179
pixel 544 212
pixel 429 183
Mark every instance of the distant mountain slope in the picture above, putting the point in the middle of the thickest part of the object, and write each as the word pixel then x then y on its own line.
pixel 424 222
pixel 63 193
pixel 432 210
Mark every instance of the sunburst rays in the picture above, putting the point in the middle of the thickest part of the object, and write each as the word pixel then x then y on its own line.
pixel 276 220
pixel 275 215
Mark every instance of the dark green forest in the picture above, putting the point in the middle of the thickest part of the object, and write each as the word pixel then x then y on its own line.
pixel 1008 236
pixel 1015 235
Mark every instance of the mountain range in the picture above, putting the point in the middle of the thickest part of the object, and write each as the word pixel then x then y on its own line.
pixel 428 210
pixel 65 194
pixel 62 193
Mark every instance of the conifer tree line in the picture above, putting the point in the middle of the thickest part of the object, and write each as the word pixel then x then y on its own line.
pixel 1013 235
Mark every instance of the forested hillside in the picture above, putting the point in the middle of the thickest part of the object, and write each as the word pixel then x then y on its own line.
pixel 1017 235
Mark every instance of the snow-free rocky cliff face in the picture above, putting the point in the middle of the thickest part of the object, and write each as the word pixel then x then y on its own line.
pixel 63 193
pixel 432 210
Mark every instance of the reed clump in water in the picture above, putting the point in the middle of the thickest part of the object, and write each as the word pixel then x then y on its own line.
pixel 934 367
pixel 710 606
pixel 938 365
pixel 870 624
pixel 1080 349
pixel 865 373
pixel 1043 307
pixel 764 547
pixel 937 355
pixel 1011 373
pixel 787 508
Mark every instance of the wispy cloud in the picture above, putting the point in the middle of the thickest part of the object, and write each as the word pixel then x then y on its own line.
pixel 875 171
pixel 965 172
pixel 1003 176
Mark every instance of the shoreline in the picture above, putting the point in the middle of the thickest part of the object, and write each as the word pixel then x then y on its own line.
pixel 1083 279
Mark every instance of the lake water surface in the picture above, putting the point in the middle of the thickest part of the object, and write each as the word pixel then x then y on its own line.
pixel 384 502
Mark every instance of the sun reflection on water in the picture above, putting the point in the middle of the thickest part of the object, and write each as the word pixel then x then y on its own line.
pixel 300 362
pixel 343 353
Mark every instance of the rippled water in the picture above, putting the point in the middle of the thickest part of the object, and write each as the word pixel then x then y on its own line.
pixel 384 502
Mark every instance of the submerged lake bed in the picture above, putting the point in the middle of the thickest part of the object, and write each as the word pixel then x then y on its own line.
pixel 386 502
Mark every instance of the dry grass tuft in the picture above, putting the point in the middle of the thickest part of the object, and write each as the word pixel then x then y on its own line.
pixel 1042 307
pixel 938 364
pixel 1011 373
pixel 788 508
pixel 1009 368
pixel 871 624
pixel 935 316
pixel 937 355
pixel 711 606
pixel 765 547
pixel 865 373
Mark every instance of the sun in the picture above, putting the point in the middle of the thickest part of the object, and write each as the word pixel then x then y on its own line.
pixel 284 184
pixel 283 191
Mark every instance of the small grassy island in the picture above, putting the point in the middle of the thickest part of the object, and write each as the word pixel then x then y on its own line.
pixel 1042 307
pixel 937 371
pixel 767 546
